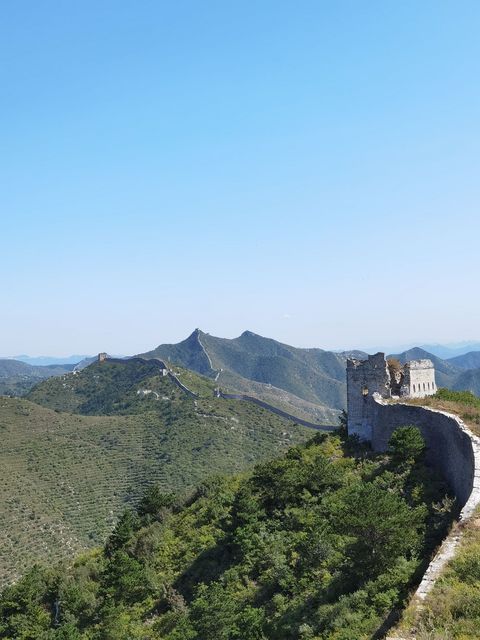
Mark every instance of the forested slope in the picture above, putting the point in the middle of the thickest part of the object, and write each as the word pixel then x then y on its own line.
pixel 323 543
pixel 103 436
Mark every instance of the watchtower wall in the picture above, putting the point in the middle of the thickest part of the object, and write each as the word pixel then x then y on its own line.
pixel 419 379
pixel 364 378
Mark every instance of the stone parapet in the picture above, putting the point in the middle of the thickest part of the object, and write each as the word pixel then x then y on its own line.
pixel 451 448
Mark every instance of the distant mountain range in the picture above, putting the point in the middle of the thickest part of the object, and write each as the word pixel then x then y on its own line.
pixel 45 361
pixel 445 352
pixel 305 382
pixel 469 360
pixel 309 381
pixel 16 378
pixel 449 351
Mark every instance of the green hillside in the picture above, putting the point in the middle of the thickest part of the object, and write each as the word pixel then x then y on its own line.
pixel 67 476
pixel 254 364
pixel 311 411
pixel 17 378
pixel 321 544
pixel 109 387
pixel 468 381
pixel 190 353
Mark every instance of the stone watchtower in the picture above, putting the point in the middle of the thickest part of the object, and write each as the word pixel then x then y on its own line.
pixel 364 378
pixel 419 379
pixel 415 379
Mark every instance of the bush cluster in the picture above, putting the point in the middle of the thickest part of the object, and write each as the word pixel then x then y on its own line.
pixel 314 545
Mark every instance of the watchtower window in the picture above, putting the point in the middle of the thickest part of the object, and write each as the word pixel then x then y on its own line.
pixel 413 388
pixel 424 386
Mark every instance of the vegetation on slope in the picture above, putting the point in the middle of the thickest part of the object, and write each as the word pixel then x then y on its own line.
pixel 312 411
pixel 323 543
pixel 108 387
pixel 66 477
pixel 468 380
pixel 309 383
pixel 252 363
pixel 17 378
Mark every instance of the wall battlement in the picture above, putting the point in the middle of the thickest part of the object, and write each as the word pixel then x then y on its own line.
pixel 451 447
pixel 415 379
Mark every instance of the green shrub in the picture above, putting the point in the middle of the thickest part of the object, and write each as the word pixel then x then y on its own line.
pixel 406 445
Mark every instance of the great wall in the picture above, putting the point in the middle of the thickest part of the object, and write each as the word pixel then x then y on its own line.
pixel 163 369
pixel 265 405
pixel 375 409
pixel 375 390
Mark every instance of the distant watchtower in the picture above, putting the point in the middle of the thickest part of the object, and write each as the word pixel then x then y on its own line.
pixel 102 356
pixel 419 379
pixel 415 379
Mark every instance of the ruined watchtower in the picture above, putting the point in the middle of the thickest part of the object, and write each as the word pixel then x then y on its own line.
pixel 415 379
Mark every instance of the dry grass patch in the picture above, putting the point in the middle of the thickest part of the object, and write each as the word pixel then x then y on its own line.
pixel 462 403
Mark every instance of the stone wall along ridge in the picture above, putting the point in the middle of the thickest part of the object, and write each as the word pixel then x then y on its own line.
pixel 279 412
pixel 452 449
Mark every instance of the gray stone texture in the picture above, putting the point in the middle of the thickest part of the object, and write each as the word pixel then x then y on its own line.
pixel 364 378
pixel 415 379
pixel 418 379
pixel 449 442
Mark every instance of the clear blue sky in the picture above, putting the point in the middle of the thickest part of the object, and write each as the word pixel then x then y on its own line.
pixel 306 170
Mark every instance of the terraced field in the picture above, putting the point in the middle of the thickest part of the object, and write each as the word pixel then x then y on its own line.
pixel 65 477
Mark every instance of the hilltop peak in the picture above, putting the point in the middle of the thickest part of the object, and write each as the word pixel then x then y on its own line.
pixel 197 333
pixel 249 334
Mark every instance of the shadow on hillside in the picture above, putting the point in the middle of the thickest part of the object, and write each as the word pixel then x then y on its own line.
pixel 207 567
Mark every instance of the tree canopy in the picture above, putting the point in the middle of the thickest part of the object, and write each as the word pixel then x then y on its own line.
pixel 318 544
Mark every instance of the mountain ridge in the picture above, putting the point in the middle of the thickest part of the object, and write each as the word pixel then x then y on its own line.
pixel 312 375
pixel 261 366
pixel 306 382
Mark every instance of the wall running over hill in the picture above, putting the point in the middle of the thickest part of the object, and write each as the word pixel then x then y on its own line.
pixel 451 448
pixel 270 407
pixel 182 386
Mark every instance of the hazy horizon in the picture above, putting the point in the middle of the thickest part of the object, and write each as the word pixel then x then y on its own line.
pixel 308 171
pixel 387 347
